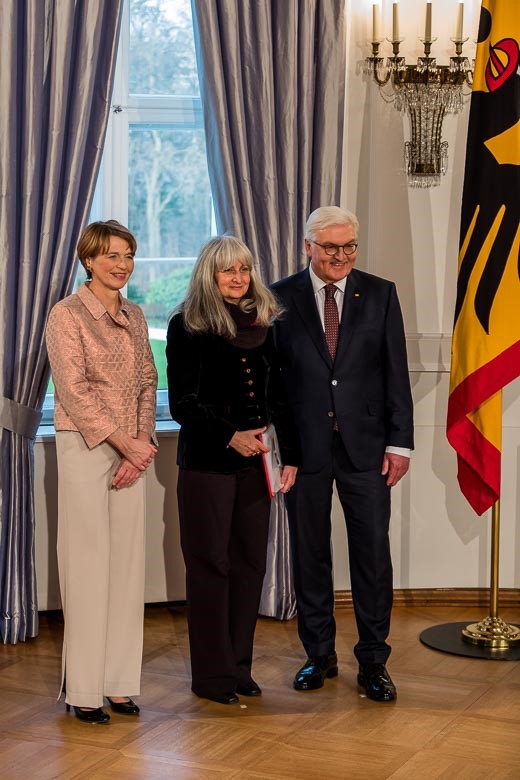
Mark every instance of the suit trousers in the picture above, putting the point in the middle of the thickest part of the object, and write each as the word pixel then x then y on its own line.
pixel 224 520
pixel 365 499
pixel 101 571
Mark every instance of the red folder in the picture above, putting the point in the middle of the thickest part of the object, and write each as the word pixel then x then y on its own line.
pixel 272 460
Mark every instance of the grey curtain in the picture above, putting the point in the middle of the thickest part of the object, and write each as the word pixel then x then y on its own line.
pixel 272 86
pixel 57 61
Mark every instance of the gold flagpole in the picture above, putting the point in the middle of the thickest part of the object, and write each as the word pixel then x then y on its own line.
pixel 492 632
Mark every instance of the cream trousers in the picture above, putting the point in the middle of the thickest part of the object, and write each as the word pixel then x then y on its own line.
pixel 101 571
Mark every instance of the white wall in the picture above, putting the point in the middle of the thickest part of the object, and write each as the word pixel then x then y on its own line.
pixel 410 236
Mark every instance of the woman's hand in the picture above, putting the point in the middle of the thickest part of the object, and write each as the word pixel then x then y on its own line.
pixel 288 478
pixel 126 475
pixel 139 452
pixel 246 443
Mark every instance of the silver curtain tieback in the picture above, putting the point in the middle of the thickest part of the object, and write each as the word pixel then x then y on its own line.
pixel 19 419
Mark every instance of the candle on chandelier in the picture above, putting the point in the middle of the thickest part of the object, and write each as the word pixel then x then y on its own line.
pixel 395 21
pixel 460 22
pixel 428 25
pixel 376 26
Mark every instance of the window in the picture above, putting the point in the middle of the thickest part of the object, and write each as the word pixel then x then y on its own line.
pixel 154 175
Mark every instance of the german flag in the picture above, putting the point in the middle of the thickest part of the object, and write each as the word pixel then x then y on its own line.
pixel 486 334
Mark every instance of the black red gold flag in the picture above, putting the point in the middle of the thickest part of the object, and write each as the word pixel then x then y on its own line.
pixel 486 335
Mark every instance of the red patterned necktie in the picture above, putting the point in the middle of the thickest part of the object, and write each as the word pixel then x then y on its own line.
pixel 331 318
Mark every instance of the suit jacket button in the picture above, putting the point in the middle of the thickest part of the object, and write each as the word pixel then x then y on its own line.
pixel 330 414
pixel 334 382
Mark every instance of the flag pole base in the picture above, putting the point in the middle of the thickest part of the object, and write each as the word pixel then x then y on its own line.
pixel 492 632
pixel 448 639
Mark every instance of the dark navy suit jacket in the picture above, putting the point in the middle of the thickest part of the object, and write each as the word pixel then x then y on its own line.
pixel 367 389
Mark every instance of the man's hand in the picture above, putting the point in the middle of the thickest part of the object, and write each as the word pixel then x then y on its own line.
pixel 395 467
pixel 288 478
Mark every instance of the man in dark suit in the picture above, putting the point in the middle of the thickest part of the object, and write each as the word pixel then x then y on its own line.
pixel 343 352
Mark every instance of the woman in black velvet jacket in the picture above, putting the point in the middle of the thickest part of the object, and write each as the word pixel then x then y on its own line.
pixel 224 389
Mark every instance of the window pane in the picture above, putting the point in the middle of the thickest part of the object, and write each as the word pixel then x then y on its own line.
pixel 158 286
pixel 169 197
pixel 170 212
pixel 162 50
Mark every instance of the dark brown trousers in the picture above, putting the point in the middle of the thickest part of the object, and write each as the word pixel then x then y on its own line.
pixel 224 521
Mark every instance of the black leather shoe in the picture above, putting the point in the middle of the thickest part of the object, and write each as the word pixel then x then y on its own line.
pixel 226 697
pixel 377 682
pixel 249 689
pixel 89 716
pixel 313 673
pixel 127 707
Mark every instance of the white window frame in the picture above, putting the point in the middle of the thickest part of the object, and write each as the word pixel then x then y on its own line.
pixel 111 195
pixel 130 109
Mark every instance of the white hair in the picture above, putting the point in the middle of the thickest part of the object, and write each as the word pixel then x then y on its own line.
pixel 327 216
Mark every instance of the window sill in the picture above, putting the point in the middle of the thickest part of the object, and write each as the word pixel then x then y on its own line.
pixel 163 428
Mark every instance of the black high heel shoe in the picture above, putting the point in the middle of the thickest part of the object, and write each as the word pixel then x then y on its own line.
pixel 128 707
pixel 89 716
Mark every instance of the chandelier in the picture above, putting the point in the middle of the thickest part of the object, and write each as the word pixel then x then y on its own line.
pixel 425 91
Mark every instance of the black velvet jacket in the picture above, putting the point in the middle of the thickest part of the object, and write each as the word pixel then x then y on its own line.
pixel 216 389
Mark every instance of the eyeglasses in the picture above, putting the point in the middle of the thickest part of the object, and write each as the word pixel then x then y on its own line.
pixel 333 249
pixel 243 271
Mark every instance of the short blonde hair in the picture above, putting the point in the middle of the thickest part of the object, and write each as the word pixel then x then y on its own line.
pixel 204 309
pixel 95 240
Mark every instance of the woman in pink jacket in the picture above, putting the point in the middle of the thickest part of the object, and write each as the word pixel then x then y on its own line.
pixel 105 382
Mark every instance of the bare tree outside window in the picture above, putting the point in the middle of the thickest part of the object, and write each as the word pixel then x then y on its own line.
pixel 162 49
pixel 169 197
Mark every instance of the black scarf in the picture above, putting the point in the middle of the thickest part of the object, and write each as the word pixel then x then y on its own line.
pixel 249 333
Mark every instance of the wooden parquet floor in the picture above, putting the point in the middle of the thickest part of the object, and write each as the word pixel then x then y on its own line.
pixel 455 717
